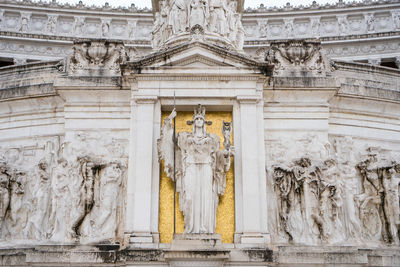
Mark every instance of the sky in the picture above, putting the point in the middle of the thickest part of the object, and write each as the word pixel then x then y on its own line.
pixel 247 3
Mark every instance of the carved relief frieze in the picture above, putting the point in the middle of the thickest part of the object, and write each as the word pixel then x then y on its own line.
pixel 251 30
pixel 28 49
pixel 11 20
pixel 38 23
pixel 302 27
pixel 356 24
pixel 315 26
pixel 337 192
pixel 120 29
pixel 288 26
pixel 25 21
pixel 378 201
pixel 276 28
pixel 65 25
pixel 263 28
pixel 101 221
pixel 329 26
pixel 51 26
pixel 92 27
pixel 105 27
pixel 370 22
pixel 310 200
pixel 80 6
pixel 132 27
pixel 343 25
pixel 78 25
pixel 1 16
pixel 366 49
pixel 318 25
pixel 309 193
pixel 383 22
pixel 64 192
pixel 396 19
pixel 144 31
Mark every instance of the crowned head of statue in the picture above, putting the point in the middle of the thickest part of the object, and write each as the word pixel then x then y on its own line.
pixel 199 121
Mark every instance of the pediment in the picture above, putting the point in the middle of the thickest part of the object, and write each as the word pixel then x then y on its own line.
pixel 198 60
pixel 196 55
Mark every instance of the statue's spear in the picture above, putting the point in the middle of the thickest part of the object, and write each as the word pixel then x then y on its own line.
pixel 174 165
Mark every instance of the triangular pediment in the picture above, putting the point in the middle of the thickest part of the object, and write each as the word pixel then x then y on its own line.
pixel 198 61
pixel 195 55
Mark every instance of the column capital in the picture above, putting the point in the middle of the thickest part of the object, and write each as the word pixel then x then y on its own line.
pixel 248 99
pixel 145 99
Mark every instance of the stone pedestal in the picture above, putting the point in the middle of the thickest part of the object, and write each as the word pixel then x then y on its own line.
pixel 196 250
pixel 195 241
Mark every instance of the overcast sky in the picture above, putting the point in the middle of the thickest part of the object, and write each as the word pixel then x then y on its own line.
pixel 147 3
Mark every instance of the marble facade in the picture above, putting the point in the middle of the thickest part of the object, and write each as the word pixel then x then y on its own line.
pixel 316 134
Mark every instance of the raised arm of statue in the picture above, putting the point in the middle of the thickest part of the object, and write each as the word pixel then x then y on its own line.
pixel 166 147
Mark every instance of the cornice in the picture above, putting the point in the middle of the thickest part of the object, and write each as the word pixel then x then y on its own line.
pixel 223 52
pixel 64 39
pixel 340 5
pixel 332 39
pixel 77 7
pixel 365 68
pixel 191 77
pixel 248 99
pixel 53 64
pixel 261 10
pixel 145 99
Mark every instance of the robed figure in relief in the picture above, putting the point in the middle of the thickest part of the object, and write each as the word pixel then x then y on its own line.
pixel 200 170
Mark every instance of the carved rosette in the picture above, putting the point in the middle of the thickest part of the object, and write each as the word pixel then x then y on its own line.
pixel 97 57
pixel 297 58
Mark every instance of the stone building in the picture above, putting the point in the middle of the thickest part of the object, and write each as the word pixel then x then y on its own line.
pixel 293 158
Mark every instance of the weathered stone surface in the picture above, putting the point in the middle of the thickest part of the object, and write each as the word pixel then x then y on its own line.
pixel 317 150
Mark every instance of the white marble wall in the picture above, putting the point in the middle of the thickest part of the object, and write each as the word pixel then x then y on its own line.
pixel 317 154
pixel 63 165
pixel 350 31
pixel 333 151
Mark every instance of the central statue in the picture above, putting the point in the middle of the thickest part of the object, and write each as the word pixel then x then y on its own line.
pixel 200 169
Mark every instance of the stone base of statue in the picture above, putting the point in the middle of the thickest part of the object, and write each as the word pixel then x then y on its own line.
pixel 197 250
pixel 201 241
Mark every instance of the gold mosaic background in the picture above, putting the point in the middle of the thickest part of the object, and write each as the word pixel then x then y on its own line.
pixel 226 208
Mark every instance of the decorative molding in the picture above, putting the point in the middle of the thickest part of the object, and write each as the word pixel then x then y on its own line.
pixel 75 187
pixel 220 51
pixel 337 23
pixel 297 57
pixel 145 99
pixel 364 68
pixel 78 6
pixel 248 99
pixel 319 7
pixel 152 77
pixel 97 57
